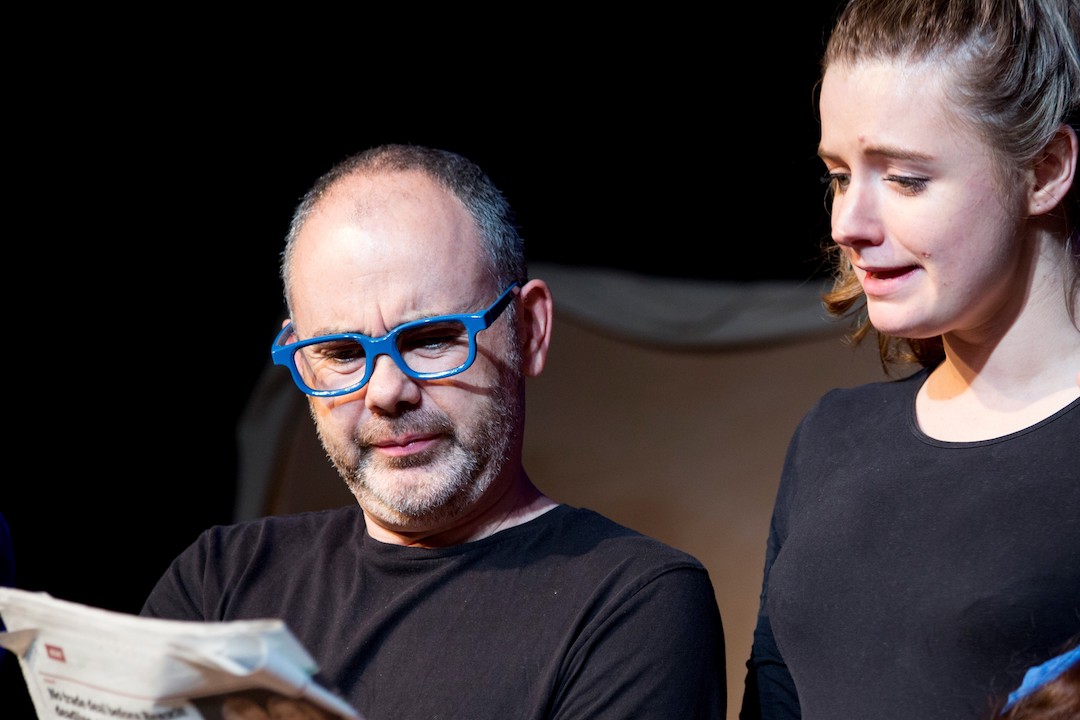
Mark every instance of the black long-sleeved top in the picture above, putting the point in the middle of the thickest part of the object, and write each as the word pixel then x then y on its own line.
pixel 907 577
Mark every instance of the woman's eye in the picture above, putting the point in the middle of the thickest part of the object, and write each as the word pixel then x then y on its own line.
pixel 836 181
pixel 908 184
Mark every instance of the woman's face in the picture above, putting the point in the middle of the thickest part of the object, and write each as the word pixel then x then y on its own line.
pixel 917 206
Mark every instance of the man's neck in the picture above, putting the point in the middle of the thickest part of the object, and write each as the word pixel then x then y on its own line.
pixel 519 504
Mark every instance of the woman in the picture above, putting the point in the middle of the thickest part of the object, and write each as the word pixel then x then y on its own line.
pixel 1050 690
pixel 925 542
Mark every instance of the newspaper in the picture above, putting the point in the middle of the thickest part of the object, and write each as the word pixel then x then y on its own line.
pixel 86 663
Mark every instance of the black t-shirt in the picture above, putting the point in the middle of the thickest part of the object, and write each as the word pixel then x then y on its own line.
pixel 567 616
pixel 907 577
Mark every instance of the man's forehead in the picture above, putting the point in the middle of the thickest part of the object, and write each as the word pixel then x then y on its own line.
pixel 403 210
pixel 366 192
pixel 397 242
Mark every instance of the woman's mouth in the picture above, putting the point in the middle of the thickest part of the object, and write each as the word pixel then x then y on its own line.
pixel 889 273
pixel 877 281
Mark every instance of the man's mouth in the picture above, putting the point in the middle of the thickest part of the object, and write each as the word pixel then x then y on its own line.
pixel 403 441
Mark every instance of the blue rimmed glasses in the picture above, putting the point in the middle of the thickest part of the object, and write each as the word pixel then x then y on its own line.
pixel 425 349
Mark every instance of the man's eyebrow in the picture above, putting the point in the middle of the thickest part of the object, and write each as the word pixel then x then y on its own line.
pixel 324 331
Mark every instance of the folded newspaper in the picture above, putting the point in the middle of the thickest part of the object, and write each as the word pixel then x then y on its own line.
pixel 86 663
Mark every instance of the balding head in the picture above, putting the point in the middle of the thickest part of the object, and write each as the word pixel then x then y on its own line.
pixel 493 218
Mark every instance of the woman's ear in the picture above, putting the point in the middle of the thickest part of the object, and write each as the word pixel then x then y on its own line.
pixel 1055 172
pixel 536 305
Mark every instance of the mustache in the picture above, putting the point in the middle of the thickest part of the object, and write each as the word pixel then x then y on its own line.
pixel 418 422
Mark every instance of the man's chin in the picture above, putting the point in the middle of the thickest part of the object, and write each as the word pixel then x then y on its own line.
pixel 426 459
pixel 407 514
pixel 409 492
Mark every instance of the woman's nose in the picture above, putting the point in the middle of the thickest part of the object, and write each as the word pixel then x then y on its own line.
pixel 855 215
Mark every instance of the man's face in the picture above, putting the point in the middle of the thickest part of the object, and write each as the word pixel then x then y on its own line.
pixel 419 455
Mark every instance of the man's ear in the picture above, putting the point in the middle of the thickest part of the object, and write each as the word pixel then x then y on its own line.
pixel 536 305
pixel 1055 172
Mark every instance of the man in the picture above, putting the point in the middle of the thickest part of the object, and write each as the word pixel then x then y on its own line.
pixel 456 589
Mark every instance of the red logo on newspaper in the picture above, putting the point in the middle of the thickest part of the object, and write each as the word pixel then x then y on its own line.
pixel 55 652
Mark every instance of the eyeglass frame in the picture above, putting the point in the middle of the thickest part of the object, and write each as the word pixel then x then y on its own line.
pixel 386 345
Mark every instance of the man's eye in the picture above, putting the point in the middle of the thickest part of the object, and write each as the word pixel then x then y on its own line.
pixel 434 338
pixel 341 352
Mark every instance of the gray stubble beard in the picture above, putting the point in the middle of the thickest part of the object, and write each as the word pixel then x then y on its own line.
pixel 460 471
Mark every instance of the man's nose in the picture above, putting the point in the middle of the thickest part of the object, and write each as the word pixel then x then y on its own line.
pixel 389 387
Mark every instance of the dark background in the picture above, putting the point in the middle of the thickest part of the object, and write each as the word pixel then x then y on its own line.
pixel 154 185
